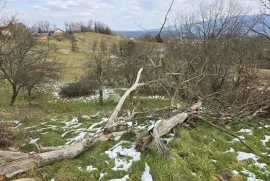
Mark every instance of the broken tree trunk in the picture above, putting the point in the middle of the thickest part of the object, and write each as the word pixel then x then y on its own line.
pixel 14 163
pixel 153 134
pixel 112 122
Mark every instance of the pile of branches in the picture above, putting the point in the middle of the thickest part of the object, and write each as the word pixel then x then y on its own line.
pixel 15 163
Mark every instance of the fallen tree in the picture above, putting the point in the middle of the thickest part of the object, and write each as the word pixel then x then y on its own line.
pixel 14 163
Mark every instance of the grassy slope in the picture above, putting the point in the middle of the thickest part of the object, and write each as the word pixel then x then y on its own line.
pixel 194 150
pixel 73 61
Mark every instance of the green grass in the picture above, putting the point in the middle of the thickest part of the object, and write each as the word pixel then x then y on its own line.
pixel 193 150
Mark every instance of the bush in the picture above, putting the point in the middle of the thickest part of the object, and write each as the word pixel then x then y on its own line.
pixel 78 89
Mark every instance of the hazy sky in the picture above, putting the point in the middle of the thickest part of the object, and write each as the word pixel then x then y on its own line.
pixel 118 14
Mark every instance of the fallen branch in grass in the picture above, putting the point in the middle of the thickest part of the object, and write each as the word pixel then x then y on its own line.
pixel 112 122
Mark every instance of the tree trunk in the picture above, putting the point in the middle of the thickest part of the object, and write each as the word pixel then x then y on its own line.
pixel 15 93
pixel 14 163
pixel 29 96
pixel 100 97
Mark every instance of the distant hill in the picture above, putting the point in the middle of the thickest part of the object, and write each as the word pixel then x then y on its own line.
pixel 138 33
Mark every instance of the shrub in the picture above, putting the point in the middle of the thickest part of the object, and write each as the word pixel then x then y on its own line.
pixel 78 89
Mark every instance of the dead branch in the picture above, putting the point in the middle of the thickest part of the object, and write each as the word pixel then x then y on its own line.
pixel 113 119
pixel 226 131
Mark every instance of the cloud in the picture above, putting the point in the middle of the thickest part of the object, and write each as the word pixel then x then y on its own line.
pixel 119 14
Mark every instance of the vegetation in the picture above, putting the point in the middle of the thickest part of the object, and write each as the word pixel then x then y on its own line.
pixel 209 62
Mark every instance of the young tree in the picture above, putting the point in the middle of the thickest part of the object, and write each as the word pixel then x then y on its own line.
pixel 22 62
pixel 100 66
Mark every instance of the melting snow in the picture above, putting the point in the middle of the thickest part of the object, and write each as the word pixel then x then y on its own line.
pixel 237 140
pixel 90 168
pixel 86 117
pixel 260 165
pixel 123 163
pixel 230 151
pixel 235 172
pixel 91 128
pixel 78 138
pixel 101 175
pixel 251 176
pixel 146 176
pixel 267 138
pixel 244 156
pixel 117 138
pixel 249 131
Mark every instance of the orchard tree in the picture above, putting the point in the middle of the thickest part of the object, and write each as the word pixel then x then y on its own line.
pixel 23 61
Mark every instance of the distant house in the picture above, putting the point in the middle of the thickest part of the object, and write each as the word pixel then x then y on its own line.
pixel 58 32
pixel 43 36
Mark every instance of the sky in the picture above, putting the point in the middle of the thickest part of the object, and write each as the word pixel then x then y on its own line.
pixel 122 15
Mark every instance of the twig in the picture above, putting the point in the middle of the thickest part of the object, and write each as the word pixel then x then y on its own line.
pixel 226 131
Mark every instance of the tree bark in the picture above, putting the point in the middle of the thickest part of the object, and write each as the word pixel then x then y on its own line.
pixel 14 163
pixel 113 119
pixel 15 92
pixel 29 96
pixel 100 97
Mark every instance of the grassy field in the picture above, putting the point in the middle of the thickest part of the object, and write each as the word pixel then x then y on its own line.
pixel 201 154
pixel 73 62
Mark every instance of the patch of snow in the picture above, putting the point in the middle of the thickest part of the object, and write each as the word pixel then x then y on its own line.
pixel 168 140
pixel 123 163
pixel 235 172
pixel 80 168
pixel 230 151
pixel 90 168
pixel 237 140
pixel 146 176
pixel 53 179
pixel 86 117
pixel 117 138
pixel 267 138
pixel 64 134
pixel 107 162
pixel 101 175
pixel 103 120
pixel 251 176
pixel 13 121
pixel 125 178
pixel 249 131
pixel 260 165
pixel 215 161
pixel 72 122
pixel 194 174
pixel 78 138
pixel 244 156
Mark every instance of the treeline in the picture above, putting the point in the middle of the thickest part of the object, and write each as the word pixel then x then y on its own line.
pixel 74 27
pixel 90 26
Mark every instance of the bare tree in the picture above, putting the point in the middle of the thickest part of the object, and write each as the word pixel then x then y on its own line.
pixel 100 66
pixel 22 60
pixel 43 26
